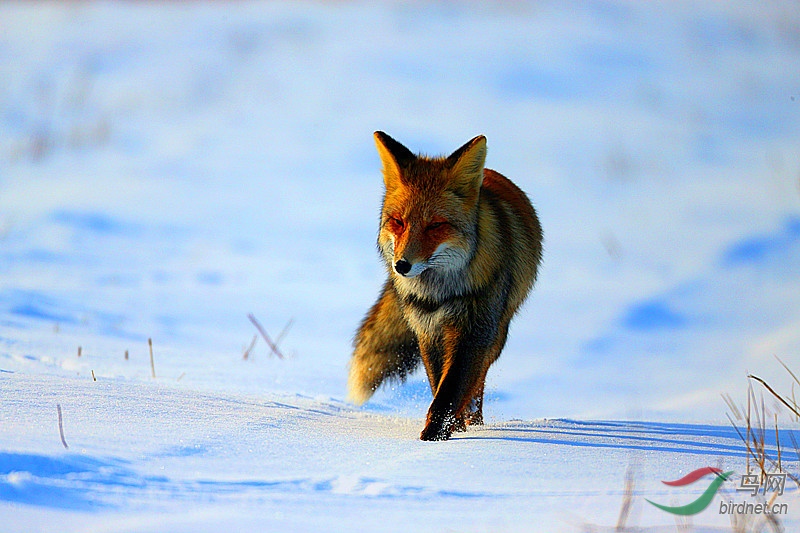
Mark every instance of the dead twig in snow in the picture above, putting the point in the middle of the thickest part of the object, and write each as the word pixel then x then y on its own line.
pixel 61 426
pixel 249 349
pixel 264 334
pixel 152 363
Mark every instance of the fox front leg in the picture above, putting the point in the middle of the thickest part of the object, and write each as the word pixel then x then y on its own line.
pixel 458 400
pixel 461 384
pixel 446 413
pixel 474 412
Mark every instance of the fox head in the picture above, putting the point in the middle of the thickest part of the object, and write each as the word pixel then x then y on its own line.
pixel 429 215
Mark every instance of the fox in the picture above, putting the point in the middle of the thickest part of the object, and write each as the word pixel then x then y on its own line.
pixel 462 247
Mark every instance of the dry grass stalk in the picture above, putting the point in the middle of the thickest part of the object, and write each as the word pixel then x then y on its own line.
pixel 284 331
pixel 247 350
pixel 61 426
pixel 152 363
pixel 778 443
pixel 784 401
pixel 260 328
pixel 755 443
pixel 793 408
pixel 627 500
pixel 732 406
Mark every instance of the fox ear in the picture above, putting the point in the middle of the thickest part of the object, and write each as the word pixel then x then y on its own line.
pixel 466 166
pixel 393 157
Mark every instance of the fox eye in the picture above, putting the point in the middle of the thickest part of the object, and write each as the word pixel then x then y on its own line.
pixel 435 225
pixel 396 222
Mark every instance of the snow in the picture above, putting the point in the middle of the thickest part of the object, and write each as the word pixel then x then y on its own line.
pixel 150 456
pixel 168 168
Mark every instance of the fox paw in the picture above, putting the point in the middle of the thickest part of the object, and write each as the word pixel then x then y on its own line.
pixel 440 429
pixel 431 433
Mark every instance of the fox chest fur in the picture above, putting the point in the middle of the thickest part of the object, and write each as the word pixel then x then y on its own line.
pixel 462 245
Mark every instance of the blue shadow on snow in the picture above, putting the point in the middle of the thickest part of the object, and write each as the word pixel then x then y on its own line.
pixel 59 482
pixel 653 315
pixel 762 248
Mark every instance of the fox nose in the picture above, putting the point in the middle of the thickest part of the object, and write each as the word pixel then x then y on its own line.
pixel 402 267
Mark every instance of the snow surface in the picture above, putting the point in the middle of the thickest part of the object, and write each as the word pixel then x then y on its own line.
pixel 168 168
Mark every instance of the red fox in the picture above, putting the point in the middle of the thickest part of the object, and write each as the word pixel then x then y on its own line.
pixel 462 246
